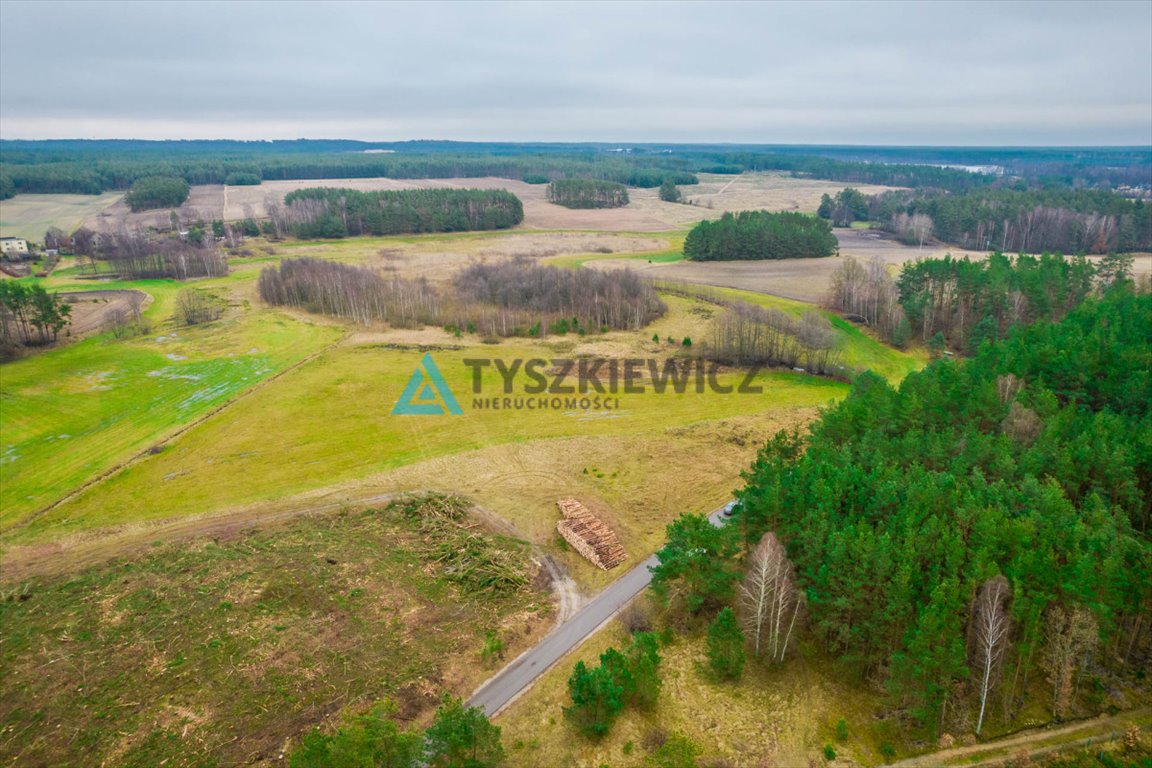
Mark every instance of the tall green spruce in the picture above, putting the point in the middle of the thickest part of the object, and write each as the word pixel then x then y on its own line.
pixel 726 646
pixel 1032 459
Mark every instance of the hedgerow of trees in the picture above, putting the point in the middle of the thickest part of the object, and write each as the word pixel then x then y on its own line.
pixel 140 255
pixel 760 235
pixel 985 525
pixel 157 192
pixel 587 193
pixel 514 298
pixel 329 212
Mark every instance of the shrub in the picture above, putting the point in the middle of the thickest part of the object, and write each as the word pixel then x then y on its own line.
pixel 829 753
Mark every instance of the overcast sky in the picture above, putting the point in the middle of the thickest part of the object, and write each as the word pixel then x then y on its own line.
pixel 852 73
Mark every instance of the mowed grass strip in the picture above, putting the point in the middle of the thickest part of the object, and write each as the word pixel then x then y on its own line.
pixel 225 652
pixel 70 413
pixel 330 421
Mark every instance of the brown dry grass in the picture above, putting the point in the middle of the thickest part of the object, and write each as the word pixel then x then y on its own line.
pixel 774 716
pixel 646 213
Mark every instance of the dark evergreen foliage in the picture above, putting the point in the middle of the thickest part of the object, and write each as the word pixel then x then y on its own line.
pixel 157 192
pixel 1032 459
pixel 331 212
pixel 587 193
pixel 760 235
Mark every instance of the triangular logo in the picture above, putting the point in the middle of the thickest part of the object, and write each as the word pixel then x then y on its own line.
pixel 427 393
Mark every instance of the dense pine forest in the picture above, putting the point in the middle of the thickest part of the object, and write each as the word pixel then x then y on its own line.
pixel 980 535
pixel 587 193
pixel 89 167
pixel 331 212
pixel 760 235
pixel 1015 220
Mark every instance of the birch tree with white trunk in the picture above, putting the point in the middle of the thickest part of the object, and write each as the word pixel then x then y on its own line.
pixel 991 630
pixel 769 599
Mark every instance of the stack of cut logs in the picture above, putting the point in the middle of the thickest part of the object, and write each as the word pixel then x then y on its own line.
pixel 588 536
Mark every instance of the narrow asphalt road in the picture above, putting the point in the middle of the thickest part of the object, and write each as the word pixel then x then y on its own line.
pixel 517 677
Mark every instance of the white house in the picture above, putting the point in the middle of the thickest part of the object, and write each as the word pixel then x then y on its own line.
pixel 13 247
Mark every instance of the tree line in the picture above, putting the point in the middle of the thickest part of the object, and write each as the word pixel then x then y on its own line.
pixel 137 254
pixel 330 212
pixel 760 235
pixel 80 167
pixel 960 303
pixel 587 193
pixel 1019 220
pixel 985 523
pixel 513 298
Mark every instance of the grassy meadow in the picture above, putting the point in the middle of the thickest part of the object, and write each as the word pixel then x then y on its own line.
pixel 227 651
pixel 76 411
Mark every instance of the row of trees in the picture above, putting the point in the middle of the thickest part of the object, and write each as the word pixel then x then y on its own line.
pixel 140 255
pixel 1018 220
pixel 513 298
pixel 587 193
pixel 29 315
pixel 459 737
pixel 760 235
pixel 157 192
pixel 331 212
pixel 987 521
pixel 960 302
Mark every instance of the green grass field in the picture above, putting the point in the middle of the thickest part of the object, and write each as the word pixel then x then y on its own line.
pixel 330 421
pixel 74 412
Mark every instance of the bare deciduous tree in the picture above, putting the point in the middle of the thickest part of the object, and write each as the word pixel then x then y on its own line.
pixel 1071 634
pixel 769 598
pixel 990 630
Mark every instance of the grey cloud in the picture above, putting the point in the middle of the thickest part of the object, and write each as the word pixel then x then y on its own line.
pixel 1002 73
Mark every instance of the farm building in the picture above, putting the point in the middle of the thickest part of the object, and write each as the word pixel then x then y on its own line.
pixel 589 536
pixel 13 248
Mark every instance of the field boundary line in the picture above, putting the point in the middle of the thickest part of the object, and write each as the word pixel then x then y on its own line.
pixel 120 466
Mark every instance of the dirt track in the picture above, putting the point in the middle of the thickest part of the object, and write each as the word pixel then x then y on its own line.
pixel 1085 731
